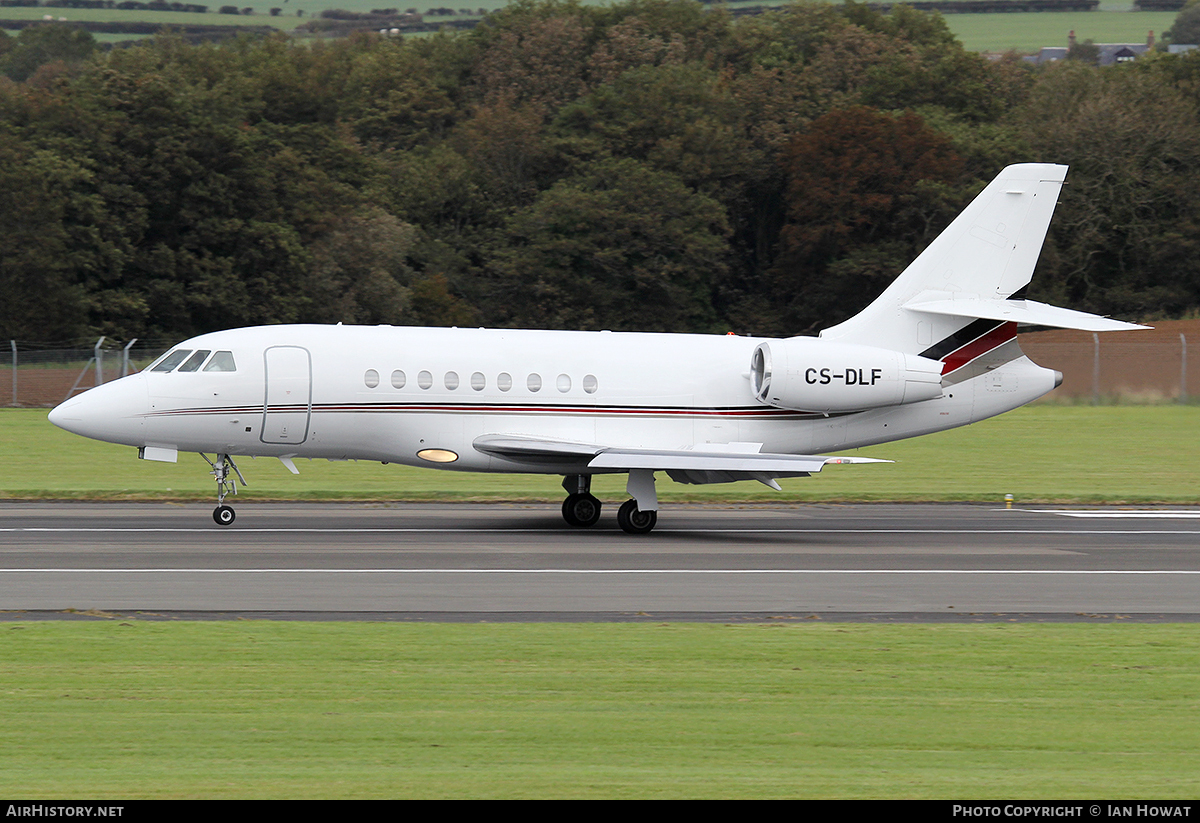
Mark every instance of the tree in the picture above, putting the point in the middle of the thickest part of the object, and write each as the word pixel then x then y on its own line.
pixel 40 297
pixel 865 191
pixel 1126 234
pixel 1085 52
pixel 679 118
pixel 617 246
pixel 359 272
pixel 539 62
pixel 1186 28
pixel 397 98
pixel 38 45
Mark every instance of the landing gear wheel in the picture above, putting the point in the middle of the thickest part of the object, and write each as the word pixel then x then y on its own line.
pixel 223 515
pixel 581 510
pixel 633 521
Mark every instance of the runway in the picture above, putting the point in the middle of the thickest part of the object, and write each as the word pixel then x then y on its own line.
pixel 470 562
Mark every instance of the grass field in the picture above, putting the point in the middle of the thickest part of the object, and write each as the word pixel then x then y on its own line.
pixel 1027 33
pixel 1040 454
pixel 1115 23
pixel 130 709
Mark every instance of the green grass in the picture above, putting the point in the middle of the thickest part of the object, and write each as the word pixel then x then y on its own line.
pixel 287 20
pixel 132 709
pixel 977 32
pixel 1029 32
pixel 166 18
pixel 1042 454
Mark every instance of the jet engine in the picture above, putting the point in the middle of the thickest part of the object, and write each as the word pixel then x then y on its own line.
pixel 811 374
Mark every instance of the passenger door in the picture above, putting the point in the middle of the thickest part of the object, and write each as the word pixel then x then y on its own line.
pixel 287 407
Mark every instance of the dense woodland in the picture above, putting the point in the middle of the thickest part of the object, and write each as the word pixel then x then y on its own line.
pixel 650 165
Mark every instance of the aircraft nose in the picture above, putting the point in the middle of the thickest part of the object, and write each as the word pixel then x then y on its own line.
pixel 58 417
pixel 68 415
pixel 112 412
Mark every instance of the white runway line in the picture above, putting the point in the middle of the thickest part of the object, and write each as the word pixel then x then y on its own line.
pixel 577 532
pixel 1163 514
pixel 1057 572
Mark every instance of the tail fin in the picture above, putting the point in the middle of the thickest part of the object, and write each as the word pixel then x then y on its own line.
pixel 964 277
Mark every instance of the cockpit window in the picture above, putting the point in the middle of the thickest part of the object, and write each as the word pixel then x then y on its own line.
pixel 193 362
pixel 221 361
pixel 172 360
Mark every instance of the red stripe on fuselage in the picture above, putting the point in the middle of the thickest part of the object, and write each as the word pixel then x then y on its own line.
pixel 495 409
pixel 979 346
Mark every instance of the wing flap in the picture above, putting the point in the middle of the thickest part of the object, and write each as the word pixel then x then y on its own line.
pixel 692 460
pixel 722 458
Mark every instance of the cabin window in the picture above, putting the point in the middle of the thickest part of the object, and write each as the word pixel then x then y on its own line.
pixel 424 379
pixel 534 382
pixel 589 383
pixel 504 381
pixel 371 378
pixel 478 381
pixel 451 380
pixel 193 362
pixel 563 383
pixel 221 361
pixel 172 360
pixel 397 379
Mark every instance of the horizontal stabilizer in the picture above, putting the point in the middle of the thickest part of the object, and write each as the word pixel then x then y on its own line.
pixel 1017 311
pixel 535 450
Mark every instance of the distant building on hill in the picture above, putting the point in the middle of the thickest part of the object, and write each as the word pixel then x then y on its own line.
pixel 1106 54
pixel 1048 54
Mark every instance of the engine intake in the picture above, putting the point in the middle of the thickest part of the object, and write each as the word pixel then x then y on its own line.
pixel 811 374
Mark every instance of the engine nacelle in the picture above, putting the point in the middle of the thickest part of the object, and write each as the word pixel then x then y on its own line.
pixel 811 374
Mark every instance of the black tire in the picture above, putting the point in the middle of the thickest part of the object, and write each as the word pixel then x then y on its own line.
pixel 633 521
pixel 581 510
pixel 224 515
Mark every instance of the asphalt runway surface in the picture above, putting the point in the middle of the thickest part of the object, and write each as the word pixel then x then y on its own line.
pixel 463 561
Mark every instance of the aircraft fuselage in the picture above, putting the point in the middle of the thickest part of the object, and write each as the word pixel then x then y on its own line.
pixel 392 393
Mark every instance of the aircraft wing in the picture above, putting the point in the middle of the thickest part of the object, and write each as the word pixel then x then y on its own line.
pixel 723 463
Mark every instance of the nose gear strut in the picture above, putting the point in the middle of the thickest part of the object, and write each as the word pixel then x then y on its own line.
pixel 222 514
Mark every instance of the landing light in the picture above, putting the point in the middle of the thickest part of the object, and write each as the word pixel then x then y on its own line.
pixel 437 455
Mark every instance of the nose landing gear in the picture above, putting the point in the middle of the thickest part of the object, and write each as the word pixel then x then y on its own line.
pixel 224 515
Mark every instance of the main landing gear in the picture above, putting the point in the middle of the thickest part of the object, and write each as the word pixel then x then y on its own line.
pixel 580 508
pixel 224 515
pixel 634 521
pixel 636 516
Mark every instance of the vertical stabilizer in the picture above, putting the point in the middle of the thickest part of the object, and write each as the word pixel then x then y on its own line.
pixel 984 256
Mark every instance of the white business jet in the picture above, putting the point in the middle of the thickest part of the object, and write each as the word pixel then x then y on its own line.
pixel 937 349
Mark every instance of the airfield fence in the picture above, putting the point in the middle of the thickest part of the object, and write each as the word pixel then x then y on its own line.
pixel 46 374
pixel 1142 367
pixel 1160 365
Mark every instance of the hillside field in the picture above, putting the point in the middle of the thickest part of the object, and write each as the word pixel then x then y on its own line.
pixel 977 32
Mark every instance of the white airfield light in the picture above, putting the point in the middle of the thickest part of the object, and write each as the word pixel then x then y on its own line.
pixel 937 350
